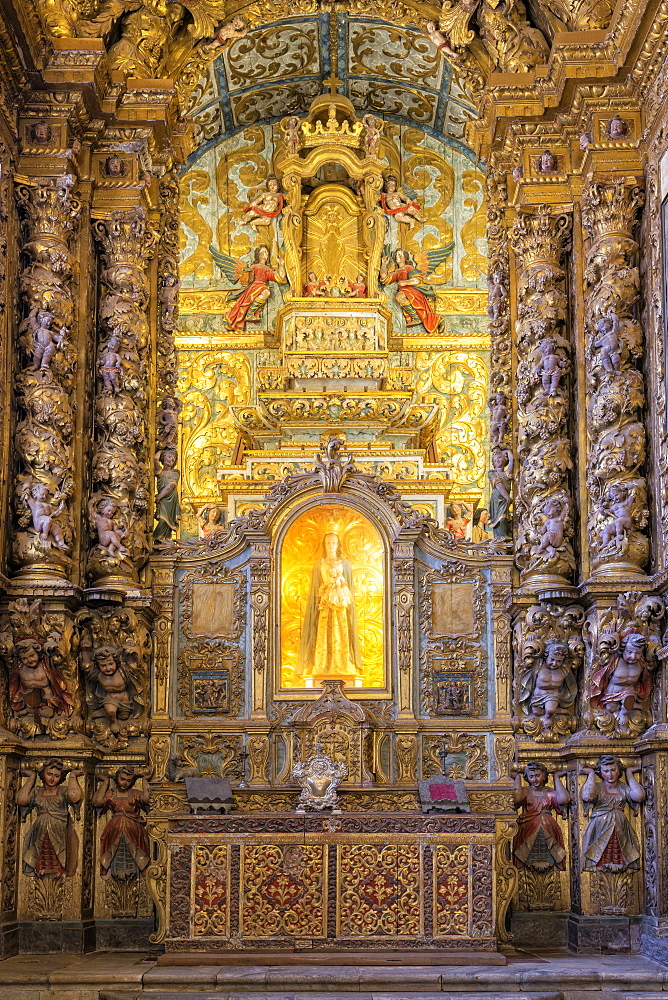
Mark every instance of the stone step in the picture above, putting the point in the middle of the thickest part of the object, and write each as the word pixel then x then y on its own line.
pixel 397 994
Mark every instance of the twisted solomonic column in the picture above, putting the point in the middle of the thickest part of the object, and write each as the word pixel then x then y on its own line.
pixel 616 484
pixel 44 489
pixel 118 506
pixel 543 505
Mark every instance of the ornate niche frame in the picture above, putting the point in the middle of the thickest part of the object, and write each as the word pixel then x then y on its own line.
pixel 459 656
pixel 290 514
pixel 202 655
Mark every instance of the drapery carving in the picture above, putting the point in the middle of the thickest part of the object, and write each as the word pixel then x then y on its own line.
pixel 544 506
pixel 117 508
pixel 615 386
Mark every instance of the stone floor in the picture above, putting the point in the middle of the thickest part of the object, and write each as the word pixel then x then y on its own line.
pixel 128 976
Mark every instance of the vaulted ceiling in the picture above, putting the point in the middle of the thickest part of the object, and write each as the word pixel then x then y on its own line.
pixel 277 69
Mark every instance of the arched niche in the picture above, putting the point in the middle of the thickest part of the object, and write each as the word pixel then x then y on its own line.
pixel 305 650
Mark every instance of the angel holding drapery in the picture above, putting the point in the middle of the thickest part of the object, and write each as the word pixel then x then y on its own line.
pixel 415 299
pixel 249 301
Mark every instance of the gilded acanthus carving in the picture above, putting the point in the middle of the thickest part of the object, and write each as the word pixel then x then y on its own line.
pixel 616 484
pixel 509 42
pixel 543 502
pixel 45 484
pixel 118 507
pixel 42 680
pixel 114 653
pixel 624 641
pixel 550 652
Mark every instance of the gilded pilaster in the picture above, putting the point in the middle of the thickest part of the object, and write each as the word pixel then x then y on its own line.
pixel 118 506
pixel 616 482
pixel 544 508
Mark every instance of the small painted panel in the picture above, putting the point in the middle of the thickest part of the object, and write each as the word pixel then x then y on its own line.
pixel 210 691
pixel 453 693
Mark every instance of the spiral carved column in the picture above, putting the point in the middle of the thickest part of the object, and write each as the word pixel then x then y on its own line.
pixel 616 484
pixel 44 489
pixel 544 508
pixel 117 509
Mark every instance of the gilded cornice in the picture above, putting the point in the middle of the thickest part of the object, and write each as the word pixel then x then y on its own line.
pixel 586 56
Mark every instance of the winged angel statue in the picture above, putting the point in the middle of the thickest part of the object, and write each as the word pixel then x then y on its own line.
pixel 510 43
pixel 415 298
pixel 152 39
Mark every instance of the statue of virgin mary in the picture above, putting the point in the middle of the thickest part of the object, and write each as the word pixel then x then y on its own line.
pixel 330 641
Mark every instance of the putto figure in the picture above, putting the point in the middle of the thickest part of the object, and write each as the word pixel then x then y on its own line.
pixel 49 848
pixel 550 652
pixel 539 843
pixel 624 659
pixel 624 683
pixel 113 693
pixel 266 206
pixel 609 843
pixel 124 846
pixel 36 688
pixel 45 516
pixel 395 203
pixel 437 38
pixel 548 686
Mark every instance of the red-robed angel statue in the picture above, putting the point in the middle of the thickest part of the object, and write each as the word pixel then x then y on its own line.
pixel 415 299
pixel 249 300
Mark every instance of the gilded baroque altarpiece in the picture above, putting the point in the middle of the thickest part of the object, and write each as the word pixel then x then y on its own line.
pixel 334 348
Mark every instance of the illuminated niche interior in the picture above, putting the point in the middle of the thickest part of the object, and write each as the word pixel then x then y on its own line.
pixel 332 600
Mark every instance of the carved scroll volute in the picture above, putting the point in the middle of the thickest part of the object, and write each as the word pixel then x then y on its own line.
pixel 44 488
pixel 543 503
pixel 616 484
pixel 117 508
